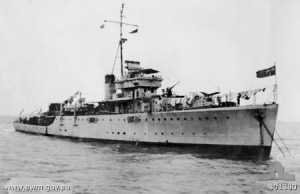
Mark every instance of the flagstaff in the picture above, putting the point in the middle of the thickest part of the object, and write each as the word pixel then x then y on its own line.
pixel 269 72
pixel 275 86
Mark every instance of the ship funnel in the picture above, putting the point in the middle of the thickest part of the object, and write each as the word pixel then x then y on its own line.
pixel 109 86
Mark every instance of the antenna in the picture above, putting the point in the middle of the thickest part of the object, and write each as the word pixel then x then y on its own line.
pixel 121 34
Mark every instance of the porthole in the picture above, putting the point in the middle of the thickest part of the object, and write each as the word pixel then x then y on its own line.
pixel 124 120
pixel 204 133
pixel 109 119
pixel 153 119
pixel 171 119
pixel 144 133
pixel 227 117
pixel 206 118
pixel 155 133
pixel 134 133
pixel 192 118
pixel 178 119
pixel 184 118
pixel 146 119
pixel 158 119
pixel 182 133
pixel 118 133
pixel 124 133
pixel 216 118
pixel 113 132
pixel 165 119
pixel 162 133
pixel 172 133
pixel 199 118
pixel 92 120
pixel 193 133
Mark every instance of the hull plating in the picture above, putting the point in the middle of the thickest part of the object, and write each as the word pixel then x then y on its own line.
pixel 232 126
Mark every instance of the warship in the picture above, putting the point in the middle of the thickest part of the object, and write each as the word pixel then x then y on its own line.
pixel 135 111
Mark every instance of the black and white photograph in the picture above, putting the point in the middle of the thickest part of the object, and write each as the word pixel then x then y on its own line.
pixel 149 97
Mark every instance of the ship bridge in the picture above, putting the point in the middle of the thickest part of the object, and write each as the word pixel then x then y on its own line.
pixel 138 82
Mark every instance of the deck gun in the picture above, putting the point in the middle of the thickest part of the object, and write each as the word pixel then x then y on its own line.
pixel 168 92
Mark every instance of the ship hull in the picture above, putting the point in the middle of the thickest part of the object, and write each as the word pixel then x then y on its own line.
pixel 229 130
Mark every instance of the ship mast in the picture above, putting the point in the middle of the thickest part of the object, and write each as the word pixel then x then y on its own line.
pixel 121 41
pixel 121 34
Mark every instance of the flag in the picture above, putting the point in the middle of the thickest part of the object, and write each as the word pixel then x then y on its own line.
pixel 102 26
pixel 134 31
pixel 266 72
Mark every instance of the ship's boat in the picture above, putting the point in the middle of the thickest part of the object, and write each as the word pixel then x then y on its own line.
pixel 134 111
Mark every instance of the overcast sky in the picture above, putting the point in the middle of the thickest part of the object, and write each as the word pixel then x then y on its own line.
pixel 51 49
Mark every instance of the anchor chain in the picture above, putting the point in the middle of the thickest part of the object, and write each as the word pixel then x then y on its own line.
pixel 260 118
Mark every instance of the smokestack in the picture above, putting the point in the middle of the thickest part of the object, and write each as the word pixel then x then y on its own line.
pixel 109 86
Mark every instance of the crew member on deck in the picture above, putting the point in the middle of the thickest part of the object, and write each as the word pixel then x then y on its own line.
pixel 169 92
pixel 238 99
pixel 219 100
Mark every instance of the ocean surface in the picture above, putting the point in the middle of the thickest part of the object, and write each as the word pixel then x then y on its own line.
pixel 94 167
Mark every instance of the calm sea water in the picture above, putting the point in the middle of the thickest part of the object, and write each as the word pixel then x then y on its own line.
pixel 94 167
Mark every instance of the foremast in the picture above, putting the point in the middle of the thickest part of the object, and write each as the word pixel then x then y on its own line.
pixel 122 40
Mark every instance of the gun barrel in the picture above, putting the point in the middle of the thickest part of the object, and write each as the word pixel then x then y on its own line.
pixel 174 85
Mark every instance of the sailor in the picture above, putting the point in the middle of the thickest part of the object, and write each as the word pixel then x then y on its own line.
pixel 169 92
pixel 238 99
pixel 219 100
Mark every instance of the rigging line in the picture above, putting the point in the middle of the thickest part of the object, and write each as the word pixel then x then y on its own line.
pixel 123 23
pixel 115 59
pixel 112 71
pixel 282 142
pixel 272 137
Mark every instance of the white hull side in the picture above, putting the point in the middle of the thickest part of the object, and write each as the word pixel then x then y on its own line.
pixel 235 126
